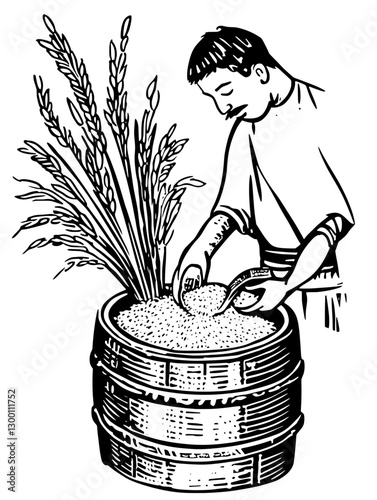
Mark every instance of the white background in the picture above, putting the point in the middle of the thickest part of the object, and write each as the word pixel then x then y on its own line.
pixel 330 44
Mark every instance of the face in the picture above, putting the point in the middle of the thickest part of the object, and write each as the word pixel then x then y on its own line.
pixel 237 95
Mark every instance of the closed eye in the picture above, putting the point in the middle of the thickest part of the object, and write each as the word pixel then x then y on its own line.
pixel 228 93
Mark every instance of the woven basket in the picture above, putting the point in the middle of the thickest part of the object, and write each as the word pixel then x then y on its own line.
pixel 197 420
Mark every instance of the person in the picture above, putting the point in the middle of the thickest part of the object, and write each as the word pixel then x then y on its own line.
pixel 284 194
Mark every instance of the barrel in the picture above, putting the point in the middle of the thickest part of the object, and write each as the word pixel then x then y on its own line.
pixel 201 421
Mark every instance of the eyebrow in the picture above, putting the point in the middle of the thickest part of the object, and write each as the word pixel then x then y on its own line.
pixel 221 86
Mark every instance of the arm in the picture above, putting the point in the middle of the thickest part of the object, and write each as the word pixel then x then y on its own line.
pixel 319 243
pixel 309 262
pixel 194 264
pixel 213 234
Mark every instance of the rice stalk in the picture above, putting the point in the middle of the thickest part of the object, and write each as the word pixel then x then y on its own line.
pixel 63 136
pixel 74 219
pixel 144 140
pixel 124 220
pixel 75 71
pixel 101 183
pixel 81 262
pixel 118 120
pixel 68 183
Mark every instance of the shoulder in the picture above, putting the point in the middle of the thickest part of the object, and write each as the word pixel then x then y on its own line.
pixel 308 95
pixel 305 110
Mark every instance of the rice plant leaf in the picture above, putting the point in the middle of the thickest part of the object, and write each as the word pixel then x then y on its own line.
pixel 75 112
pixel 178 193
pixel 167 238
pixel 155 100
pixel 147 203
pixel 75 71
pixel 32 184
pixel 48 23
pixel 112 51
pixel 35 221
pixel 36 196
pixel 151 88
pixel 41 242
pixel 126 27
pixel 63 211
pixel 189 181
pixel 80 262
pixel 65 269
pixel 65 238
pixel 171 130
pixel 172 216
pixel 64 191
pixel 178 148
pixel 45 44
pixel 196 183
pixel 35 147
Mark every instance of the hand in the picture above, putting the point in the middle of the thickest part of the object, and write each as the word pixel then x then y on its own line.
pixel 271 294
pixel 191 273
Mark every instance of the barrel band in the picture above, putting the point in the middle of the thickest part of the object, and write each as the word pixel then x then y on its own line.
pixel 201 399
pixel 198 454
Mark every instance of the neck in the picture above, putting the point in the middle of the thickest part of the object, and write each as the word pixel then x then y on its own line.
pixel 280 87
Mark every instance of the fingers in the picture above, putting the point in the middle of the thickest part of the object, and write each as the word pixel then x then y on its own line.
pixel 176 287
pixel 257 306
pixel 249 288
pixel 191 279
pixel 190 284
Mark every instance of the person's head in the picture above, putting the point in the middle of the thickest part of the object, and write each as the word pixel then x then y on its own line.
pixel 232 66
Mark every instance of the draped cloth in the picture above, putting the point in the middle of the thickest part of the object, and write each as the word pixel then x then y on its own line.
pixel 277 183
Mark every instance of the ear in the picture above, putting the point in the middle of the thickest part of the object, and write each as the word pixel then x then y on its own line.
pixel 262 72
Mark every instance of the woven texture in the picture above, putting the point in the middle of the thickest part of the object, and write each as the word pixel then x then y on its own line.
pixel 186 421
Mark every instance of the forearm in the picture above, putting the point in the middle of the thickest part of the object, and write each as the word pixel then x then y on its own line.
pixel 213 234
pixel 324 238
pixel 194 264
pixel 309 261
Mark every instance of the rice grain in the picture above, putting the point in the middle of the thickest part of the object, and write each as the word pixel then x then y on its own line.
pixel 164 323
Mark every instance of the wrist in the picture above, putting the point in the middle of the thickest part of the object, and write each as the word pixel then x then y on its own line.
pixel 291 284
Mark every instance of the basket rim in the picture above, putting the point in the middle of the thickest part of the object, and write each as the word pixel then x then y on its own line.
pixel 111 308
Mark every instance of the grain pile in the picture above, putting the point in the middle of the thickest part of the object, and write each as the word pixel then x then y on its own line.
pixel 163 323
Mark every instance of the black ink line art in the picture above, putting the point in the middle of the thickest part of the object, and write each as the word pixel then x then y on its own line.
pixel 119 219
pixel 287 198
pixel 196 385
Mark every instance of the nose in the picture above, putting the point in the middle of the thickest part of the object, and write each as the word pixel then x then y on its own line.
pixel 221 108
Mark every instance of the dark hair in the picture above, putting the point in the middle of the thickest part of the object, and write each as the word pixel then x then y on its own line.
pixel 232 48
